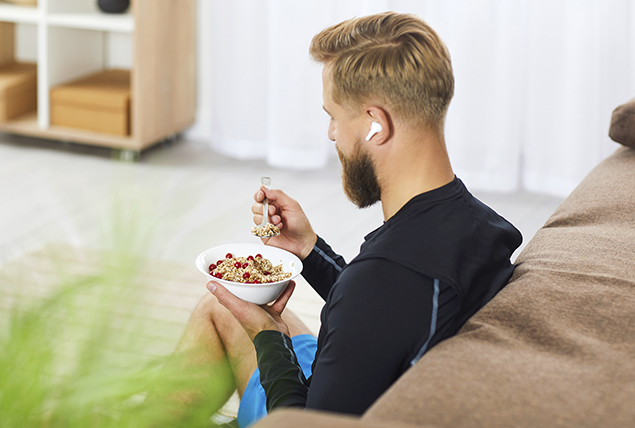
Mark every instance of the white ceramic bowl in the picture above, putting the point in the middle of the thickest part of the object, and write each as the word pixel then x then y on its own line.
pixel 255 293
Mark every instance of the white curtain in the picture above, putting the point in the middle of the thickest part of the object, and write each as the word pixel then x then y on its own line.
pixel 536 82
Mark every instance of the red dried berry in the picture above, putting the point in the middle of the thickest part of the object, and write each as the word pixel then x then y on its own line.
pixel 266 273
pixel 245 265
pixel 250 258
pixel 258 256
pixel 219 262
pixel 228 256
pixel 237 265
pixel 246 275
pixel 218 275
pixel 256 282
pixel 212 266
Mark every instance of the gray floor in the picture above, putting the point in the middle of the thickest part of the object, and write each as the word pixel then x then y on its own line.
pixel 179 200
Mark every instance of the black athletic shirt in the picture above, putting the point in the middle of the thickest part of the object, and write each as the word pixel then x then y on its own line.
pixel 416 280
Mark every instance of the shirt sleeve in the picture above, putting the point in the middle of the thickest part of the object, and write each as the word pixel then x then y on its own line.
pixel 280 374
pixel 322 267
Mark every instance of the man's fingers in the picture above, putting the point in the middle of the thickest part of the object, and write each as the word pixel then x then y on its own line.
pixel 276 195
pixel 259 196
pixel 225 298
pixel 263 192
pixel 282 300
pixel 256 209
pixel 252 318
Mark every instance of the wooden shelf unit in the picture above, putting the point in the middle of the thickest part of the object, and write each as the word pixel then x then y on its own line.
pixel 73 41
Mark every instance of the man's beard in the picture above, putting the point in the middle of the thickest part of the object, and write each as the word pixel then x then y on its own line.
pixel 359 178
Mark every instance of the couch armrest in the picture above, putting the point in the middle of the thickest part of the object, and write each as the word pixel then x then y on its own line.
pixel 287 418
pixel 622 128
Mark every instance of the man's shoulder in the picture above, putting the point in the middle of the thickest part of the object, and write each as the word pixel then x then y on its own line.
pixel 378 276
pixel 437 239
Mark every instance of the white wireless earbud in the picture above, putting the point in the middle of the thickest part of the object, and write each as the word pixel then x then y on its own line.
pixel 375 127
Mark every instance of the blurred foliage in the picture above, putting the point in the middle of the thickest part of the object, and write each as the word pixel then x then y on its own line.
pixel 72 359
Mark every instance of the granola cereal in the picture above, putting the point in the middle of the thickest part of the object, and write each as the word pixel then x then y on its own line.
pixel 265 231
pixel 248 270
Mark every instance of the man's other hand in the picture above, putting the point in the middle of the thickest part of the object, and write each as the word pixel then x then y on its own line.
pixel 254 318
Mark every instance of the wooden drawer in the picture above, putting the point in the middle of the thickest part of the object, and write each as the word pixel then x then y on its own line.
pixel 99 102
pixel 18 90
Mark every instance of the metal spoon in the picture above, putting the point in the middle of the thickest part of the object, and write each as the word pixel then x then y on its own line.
pixel 265 230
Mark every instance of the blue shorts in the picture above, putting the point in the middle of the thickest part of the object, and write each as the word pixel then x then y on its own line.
pixel 253 404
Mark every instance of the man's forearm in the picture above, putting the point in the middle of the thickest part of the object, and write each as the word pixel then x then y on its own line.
pixel 322 267
pixel 280 374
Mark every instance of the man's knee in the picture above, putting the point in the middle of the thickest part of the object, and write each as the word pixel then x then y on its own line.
pixel 208 308
pixel 209 311
pixel 207 305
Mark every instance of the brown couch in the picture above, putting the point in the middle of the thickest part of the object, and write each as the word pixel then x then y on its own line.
pixel 556 347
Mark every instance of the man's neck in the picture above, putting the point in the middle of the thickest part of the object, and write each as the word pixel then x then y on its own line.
pixel 413 166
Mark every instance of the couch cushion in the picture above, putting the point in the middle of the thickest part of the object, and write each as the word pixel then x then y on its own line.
pixel 622 127
pixel 556 347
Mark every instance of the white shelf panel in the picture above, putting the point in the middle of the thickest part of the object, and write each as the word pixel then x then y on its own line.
pixel 93 21
pixel 19 14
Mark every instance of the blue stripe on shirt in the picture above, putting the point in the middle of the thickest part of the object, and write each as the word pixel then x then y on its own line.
pixel 433 323
pixel 327 258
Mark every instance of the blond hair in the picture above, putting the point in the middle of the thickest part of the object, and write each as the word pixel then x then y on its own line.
pixel 392 58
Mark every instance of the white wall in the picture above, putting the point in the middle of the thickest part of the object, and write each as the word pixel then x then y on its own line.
pixel 536 80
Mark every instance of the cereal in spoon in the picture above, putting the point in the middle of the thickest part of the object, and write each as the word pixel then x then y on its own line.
pixel 266 229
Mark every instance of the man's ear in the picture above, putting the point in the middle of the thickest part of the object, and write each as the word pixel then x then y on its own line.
pixel 380 127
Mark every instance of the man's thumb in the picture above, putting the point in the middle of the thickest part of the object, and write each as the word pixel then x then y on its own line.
pixel 223 296
pixel 211 286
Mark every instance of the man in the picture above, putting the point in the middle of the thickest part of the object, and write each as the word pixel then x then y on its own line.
pixel 439 256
